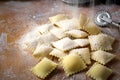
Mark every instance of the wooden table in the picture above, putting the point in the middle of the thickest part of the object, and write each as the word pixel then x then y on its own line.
pixel 16 18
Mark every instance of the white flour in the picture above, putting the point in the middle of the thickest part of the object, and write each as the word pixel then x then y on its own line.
pixel 3 42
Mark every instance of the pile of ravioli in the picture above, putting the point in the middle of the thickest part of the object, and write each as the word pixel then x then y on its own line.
pixel 75 42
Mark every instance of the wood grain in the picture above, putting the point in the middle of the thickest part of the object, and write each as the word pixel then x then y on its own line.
pixel 16 18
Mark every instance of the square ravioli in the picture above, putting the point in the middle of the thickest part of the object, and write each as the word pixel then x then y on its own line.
pixel 65 44
pixel 68 24
pixel 31 40
pixel 91 28
pixel 42 51
pixel 82 42
pixel 57 18
pixel 48 38
pixel 102 56
pixel 44 68
pixel 72 64
pixel 44 28
pixel 101 42
pixel 99 72
pixel 58 32
pixel 76 33
pixel 83 20
pixel 57 53
pixel 84 53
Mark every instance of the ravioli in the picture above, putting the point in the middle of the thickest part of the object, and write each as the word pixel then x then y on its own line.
pixel 102 56
pixel 99 72
pixel 57 18
pixel 31 40
pixel 91 28
pixel 83 20
pixel 65 44
pixel 76 33
pixel 48 38
pixel 44 28
pixel 58 32
pixel 42 51
pixel 68 24
pixel 72 64
pixel 57 53
pixel 44 68
pixel 82 42
pixel 84 53
pixel 75 42
pixel 101 42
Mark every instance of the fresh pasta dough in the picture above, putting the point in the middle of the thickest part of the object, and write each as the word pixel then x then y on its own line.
pixel 44 68
pixel 99 72
pixel 72 64
pixel 84 53
pixel 68 24
pixel 74 42
pixel 31 40
pixel 57 53
pixel 102 56
pixel 42 51
pixel 76 33
pixel 44 28
pixel 58 32
pixel 82 42
pixel 57 18
pixel 83 20
pixel 101 42
pixel 65 44
pixel 91 28
pixel 48 38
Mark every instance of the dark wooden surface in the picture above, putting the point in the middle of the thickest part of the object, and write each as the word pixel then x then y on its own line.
pixel 16 18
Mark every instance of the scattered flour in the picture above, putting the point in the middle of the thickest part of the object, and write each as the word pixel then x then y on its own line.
pixel 3 42
pixel 9 73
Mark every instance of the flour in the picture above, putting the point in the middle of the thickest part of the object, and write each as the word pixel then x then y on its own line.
pixel 9 73
pixel 3 42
